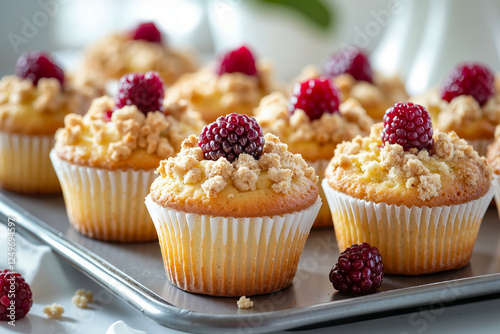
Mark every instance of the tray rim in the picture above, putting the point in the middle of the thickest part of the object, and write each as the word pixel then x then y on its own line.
pixel 166 314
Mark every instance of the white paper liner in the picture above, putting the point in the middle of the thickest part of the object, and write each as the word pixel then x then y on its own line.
pixel 413 240
pixel 227 256
pixel 25 165
pixel 324 218
pixel 480 145
pixel 106 204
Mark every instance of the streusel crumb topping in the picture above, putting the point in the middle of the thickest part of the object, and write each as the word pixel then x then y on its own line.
pixel 20 97
pixel 420 170
pixel 126 131
pixel 462 113
pixel 281 167
pixel 274 117
pixel 118 54
pixel 233 88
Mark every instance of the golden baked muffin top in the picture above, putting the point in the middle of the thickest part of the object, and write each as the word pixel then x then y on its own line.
pixel 278 182
pixel 118 54
pixel 313 139
pixel 125 137
pixel 450 173
pixel 39 109
pixel 234 83
pixel 374 97
pixel 462 114
pixel 468 102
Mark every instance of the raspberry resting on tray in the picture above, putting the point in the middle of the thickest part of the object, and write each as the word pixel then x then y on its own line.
pixel 359 270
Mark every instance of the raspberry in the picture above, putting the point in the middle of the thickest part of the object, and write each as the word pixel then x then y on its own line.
pixel 240 60
pixel 315 97
pixel 471 79
pixel 359 270
pixel 408 125
pixel 36 65
pixel 148 32
pixel 231 135
pixel 19 292
pixel 352 61
pixel 144 90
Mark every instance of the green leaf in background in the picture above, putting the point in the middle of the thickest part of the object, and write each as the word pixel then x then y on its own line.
pixel 313 10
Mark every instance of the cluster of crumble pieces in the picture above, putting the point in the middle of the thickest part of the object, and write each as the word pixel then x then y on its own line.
pixel 273 115
pixel 81 299
pixel 54 311
pixel 46 97
pixel 414 169
pixel 113 54
pixel 244 302
pixel 461 110
pixel 235 89
pixel 128 129
pixel 282 168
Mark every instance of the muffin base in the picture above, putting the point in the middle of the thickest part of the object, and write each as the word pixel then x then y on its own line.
pixel 106 204
pixel 25 165
pixel 229 256
pixel 412 241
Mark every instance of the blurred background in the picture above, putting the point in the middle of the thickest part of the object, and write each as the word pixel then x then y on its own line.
pixel 420 39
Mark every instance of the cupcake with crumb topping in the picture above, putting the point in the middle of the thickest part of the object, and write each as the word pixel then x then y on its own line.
pixel 140 50
pixel 234 84
pixel 312 122
pixel 419 196
pixel 467 103
pixel 106 159
pixel 233 210
pixel 351 71
pixel 33 104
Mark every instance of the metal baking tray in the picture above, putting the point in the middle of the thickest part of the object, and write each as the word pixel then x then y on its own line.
pixel 135 273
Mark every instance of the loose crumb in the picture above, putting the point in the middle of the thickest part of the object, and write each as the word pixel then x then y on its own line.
pixel 82 298
pixel 244 302
pixel 53 311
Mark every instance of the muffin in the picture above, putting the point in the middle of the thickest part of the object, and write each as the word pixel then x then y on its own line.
pixel 312 122
pixel 106 159
pixel 467 103
pixel 350 69
pixel 33 104
pixel 140 50
pixel 234 84
pixel 233 210
pixel 419 196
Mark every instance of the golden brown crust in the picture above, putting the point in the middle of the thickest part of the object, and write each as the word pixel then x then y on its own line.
pixel 117 54
pixel 129 140
pixel 37 110
pixel 317 139
pixel 213 95
pixel 279 182
pixel 453 173
pixel 462 114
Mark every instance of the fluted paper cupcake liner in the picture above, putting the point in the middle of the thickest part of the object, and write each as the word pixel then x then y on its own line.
pixel 229 256
pixel 106 204
pixel 324 218
pixel 25 164
pixel 413 240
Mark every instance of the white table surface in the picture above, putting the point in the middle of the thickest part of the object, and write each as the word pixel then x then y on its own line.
pixel 54 280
